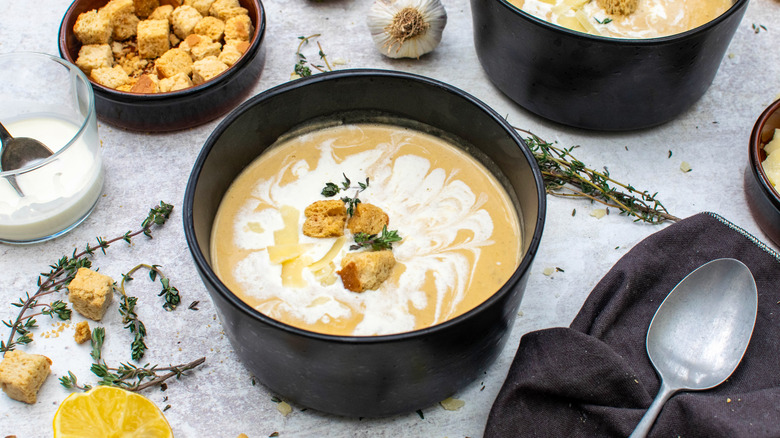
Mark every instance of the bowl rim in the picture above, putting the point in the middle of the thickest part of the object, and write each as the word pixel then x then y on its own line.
pixel 123 96
pixel 209 275
pixel 91 110
pixel 626 41
pixel 755 159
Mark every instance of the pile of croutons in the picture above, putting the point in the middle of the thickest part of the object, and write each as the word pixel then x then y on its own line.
pixel 140 46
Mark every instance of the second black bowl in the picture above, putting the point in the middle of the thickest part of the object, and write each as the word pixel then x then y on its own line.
pixel 595 82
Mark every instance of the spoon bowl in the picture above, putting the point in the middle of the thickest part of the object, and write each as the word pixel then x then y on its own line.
pixel 20 152
pixel 699 334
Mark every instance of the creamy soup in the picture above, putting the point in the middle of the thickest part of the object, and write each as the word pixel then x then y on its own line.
pixel 460 233
pixel 652 18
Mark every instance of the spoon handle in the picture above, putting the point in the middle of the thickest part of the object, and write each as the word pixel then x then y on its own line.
pixel 644 426
pixel 4 134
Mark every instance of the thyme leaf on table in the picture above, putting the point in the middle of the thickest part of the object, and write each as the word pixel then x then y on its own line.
pixel 566 176
pixel 60 275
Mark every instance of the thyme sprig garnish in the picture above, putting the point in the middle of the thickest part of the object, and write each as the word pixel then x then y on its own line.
pixel 566 176
pixel 126 376
pixel 60 275
pixel 376 242
pixel 301 69
pixel 127 306
pixel 331 189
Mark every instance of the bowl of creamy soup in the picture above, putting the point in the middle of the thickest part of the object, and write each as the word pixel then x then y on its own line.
pixel 366 237
pixel 601 64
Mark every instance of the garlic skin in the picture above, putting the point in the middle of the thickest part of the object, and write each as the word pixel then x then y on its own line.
pixel 406 28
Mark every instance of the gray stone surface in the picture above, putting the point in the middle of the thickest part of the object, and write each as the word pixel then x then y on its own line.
pixel 219 399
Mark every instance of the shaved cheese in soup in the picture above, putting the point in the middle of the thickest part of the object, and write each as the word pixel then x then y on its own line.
pixel 652 18
pixel 460 232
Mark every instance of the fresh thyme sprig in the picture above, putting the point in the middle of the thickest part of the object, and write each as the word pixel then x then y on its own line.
pixel 376 242
pixel 331 189
pixel 126 376
pixel 301 70
pixel 566 176
pixel 127 306
pixel 60 275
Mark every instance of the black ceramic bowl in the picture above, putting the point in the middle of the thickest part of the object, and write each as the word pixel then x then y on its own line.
pixel 178 109
pixel 763 198
pixel 379 375
pixel 595 82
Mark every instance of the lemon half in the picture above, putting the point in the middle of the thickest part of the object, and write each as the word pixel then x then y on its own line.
pixel 109 412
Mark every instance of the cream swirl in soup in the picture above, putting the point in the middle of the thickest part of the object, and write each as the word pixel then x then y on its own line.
pixel 652 18
pixel 460 232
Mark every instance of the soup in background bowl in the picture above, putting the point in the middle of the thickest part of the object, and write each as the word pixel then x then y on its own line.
pixel 365 375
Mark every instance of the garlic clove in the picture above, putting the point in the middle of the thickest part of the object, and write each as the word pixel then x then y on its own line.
pixel 406 28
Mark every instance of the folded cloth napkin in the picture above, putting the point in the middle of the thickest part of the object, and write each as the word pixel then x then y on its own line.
pixel 594 379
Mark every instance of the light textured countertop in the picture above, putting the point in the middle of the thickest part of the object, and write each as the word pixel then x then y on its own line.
pixel 219 398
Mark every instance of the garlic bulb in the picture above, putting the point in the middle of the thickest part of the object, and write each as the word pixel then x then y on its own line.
pixel 406 28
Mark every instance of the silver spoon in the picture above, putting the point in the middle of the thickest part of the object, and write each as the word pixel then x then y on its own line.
pixel 19 152
pixel 701 331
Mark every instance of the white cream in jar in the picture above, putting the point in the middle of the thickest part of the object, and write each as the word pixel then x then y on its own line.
pixel 60 192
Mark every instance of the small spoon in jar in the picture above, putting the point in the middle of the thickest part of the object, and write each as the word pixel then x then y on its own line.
pixel 19 152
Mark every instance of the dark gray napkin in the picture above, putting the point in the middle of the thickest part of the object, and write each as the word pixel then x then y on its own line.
pixel 595 379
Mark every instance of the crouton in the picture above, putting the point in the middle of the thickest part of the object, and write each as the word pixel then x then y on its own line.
pixel 220 5
pixel 365 270
pixel 153 39
pixel 207 68
pixel 200 46
pixel 22 374
pixel 82 333
pixel 121 15
pixel 161 13
pixel 176 82
pixel 146 84
pixel 618 7
pixel 230 54
pixel 92 56
pixel 202 6
pixel 325 219
pixel 173 62
pixel 183 19
pixel 113 77
pixel 211 27
pixel 144 8
pixel 239 28
pixel 228 13
pixel 90 293
pixel 367 218
pixel 92 28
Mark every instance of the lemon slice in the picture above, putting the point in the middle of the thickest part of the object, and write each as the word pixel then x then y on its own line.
pixel 106 411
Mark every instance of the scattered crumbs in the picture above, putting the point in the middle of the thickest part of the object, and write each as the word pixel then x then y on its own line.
pixel 166 408
pixel 275 434
pixel 573 212
pixel 165 399
pixel 598 213
pixel 163 387
pixel 728 400
pixel 483 388
pixel 617 247
pixel 548 271
pixel 339 61
pixel 452 404
pixel 626 147
pixel 420 413
pixel 254 382
pixel 731 56
pixel 520 313
pixel 636 381
pixel 758 28
pixel 284 408
pixel 557 269
pixel 685 167
pixel 670 154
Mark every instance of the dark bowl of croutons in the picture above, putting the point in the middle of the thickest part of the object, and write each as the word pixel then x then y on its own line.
pixel 366 249
pixel 762 174
pixel 165 65
pixel 608 65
